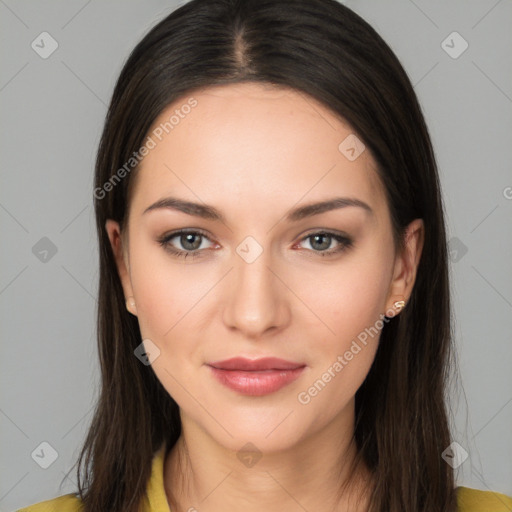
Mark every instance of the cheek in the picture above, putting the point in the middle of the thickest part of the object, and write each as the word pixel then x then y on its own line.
pixel 350 296
pixel 164 291
pixel 350 303
pixel 166 297
pixel 350 300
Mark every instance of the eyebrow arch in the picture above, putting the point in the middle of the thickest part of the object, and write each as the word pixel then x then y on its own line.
pixel 211 213
pixel 325 206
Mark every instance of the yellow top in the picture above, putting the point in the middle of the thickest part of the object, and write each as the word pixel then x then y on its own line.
pixel 468 500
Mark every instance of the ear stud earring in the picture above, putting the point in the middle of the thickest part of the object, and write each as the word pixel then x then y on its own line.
pixel 399 304
pixel 130 303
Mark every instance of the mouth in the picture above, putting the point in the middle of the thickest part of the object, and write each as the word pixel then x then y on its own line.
pixel 256 377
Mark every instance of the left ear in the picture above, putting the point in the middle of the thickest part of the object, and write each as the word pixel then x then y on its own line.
pixel 406 263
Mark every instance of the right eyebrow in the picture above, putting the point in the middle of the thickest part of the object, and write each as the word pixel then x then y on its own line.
pixel 196 209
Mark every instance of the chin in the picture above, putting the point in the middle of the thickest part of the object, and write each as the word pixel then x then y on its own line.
pixel 269 431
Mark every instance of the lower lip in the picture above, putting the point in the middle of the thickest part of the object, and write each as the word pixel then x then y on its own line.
pixel 256 383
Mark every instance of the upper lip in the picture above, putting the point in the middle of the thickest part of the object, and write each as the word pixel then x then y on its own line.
pixel 264 363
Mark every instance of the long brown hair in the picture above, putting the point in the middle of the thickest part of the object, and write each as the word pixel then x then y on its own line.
pixel 325 50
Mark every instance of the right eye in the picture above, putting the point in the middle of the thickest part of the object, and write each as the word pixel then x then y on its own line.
pixel 190 240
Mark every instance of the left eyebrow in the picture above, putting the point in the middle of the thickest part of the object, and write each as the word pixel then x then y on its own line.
pixel 325 206
pixel 211 213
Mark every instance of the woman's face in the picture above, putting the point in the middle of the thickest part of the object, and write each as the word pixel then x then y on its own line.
pixel 253 280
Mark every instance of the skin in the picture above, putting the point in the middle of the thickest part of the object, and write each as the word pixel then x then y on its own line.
pixel 255 152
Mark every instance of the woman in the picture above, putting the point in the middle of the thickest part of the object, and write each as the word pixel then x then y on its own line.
pixel 274 316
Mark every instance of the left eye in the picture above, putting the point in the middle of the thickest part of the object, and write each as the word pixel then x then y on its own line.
pixel 321 242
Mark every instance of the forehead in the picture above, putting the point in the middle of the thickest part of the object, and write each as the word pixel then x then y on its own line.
pixel 253 143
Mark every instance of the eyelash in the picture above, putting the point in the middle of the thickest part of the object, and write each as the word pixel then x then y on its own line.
pixel 164 241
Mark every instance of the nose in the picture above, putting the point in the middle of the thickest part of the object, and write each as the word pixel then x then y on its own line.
pixel 258 298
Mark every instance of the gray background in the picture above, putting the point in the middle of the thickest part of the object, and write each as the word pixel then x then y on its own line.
pixel 52 113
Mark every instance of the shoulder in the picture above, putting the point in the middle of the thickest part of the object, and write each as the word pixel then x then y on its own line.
pixel 475 500
pixel 66 503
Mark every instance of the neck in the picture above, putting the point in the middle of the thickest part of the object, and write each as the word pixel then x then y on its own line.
pixel 201 474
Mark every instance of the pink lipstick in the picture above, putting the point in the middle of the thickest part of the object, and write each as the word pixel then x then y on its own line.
pixel 256 377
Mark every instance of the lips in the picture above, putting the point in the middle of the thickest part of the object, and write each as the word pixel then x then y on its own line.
pixel 256 377
pixel 265 363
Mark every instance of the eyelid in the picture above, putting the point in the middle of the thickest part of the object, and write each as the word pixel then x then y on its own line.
pixel 326 231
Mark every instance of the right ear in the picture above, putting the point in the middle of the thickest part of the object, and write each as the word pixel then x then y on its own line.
pixel 122 262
